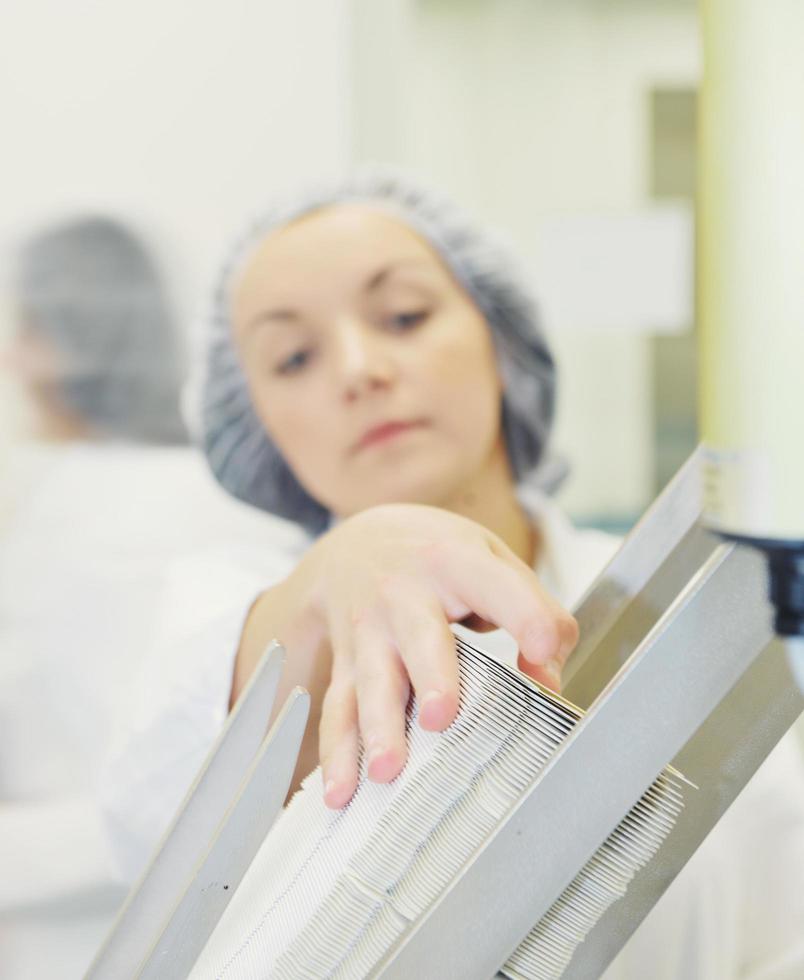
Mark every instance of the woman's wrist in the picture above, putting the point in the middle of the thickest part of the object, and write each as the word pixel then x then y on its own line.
pixel 289 612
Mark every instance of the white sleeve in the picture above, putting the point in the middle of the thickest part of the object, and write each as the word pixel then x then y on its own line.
pixel 52 853
pixel 179 707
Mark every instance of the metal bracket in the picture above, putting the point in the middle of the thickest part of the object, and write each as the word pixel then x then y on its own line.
pixel 172 910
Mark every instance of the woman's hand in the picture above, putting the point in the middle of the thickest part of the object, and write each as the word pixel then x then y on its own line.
pixel 384 585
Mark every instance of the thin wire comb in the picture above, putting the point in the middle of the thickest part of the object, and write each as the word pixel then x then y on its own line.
pixel 330 892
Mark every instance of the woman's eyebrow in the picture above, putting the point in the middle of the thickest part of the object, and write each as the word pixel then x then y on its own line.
pixel 271 316
pixel 379 277
pixel 286 315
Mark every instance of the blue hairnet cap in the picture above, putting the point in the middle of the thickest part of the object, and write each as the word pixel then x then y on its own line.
pixel 241 454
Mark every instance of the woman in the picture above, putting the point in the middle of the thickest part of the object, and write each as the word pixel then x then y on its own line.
pixel 376 376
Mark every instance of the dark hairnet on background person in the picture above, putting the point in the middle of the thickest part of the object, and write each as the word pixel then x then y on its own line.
pixel 91 293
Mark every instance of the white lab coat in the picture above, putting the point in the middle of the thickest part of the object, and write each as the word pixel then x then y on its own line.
pixel 736 911
pixel 89 532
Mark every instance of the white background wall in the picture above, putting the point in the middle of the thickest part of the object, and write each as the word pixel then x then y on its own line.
pixel 524 109
pixel 185 114
pixel 182 115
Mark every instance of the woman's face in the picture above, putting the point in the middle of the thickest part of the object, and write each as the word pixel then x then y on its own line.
pixel 368 365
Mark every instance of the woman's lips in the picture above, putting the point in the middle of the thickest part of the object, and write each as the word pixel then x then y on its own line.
pixel 386 432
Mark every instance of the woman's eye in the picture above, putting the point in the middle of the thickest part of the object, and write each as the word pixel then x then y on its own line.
pixel 405 321
pixel 294 363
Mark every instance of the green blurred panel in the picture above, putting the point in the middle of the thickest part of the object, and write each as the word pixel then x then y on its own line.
pixel 673 149
pixel 674 358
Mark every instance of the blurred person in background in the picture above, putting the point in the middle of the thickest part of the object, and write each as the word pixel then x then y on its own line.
pixel 102 493
pixel 97 345
pixel 377 373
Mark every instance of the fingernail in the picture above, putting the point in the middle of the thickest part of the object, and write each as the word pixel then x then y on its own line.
pixel 381 764
pixel 431 711
pixel 330 792
pixel 553 672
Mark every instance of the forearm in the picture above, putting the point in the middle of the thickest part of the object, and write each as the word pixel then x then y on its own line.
pixel 286 612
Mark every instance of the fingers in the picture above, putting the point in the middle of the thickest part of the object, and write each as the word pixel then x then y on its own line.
pixel 338 745
pixel 376 659
pixel 427 648
pixel 391 634
pixel 365 703
pixel 508 593
pixel 566 622
pixel 382 697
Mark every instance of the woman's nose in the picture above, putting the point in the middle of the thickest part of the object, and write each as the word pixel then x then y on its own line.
pixel 364 362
